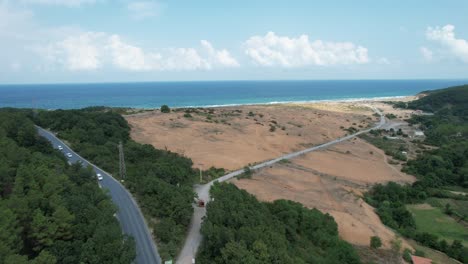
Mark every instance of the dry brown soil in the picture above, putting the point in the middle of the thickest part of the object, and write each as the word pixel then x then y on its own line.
pixel 332 181
pixel 231 138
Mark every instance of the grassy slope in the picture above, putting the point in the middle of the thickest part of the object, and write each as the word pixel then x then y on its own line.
pixel 434 221
pixel 436 256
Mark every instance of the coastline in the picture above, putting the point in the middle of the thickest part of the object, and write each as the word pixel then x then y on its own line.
pixel 211 94
pixel 401 98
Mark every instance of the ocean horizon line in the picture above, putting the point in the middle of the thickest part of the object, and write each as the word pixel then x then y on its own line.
pixel 229 80
pixel 209 94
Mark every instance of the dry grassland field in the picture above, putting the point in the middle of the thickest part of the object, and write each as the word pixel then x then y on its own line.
pixel 331 180
pixel 233 137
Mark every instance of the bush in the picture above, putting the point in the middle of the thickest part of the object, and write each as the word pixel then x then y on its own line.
pixel 407 255
pixel 247 173
pixel 165 109
pixel 272 128
pixel 375 242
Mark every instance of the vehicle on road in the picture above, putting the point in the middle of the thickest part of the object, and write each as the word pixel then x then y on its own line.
pixel 60 147
pixel 99 176
pixel 201 203
pixel 69 155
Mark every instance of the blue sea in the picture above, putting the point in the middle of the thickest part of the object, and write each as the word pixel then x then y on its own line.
pixel 210 93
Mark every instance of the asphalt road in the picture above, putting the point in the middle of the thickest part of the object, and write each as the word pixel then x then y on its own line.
pixel 194 238
pixel 129 215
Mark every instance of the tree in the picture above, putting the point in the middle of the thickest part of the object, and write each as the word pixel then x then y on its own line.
pixel 44 258
pixel 448 209
pixel 10 241
pixel 42 231
pixel 375 242
pixel 165 109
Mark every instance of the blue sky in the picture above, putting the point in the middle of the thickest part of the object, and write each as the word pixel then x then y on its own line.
pixel 50 41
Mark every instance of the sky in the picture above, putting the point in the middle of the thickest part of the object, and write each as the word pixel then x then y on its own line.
pixel 69 41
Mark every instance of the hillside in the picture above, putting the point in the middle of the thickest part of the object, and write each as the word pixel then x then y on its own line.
pixel 453 100
pixel 440 169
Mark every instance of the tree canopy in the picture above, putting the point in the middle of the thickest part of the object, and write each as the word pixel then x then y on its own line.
pixel 240 229
pixel 51 212
pixel 161 180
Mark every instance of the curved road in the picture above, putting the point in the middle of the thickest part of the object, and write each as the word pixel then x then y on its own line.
pixel 130 217
pixel 194 238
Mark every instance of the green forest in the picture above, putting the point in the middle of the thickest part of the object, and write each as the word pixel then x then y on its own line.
pixel 443 167
pixel 160 180
pixel 240 229
pixel 51 212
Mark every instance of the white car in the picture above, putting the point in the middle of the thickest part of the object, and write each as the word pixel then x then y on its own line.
pixel 69 155
pixel 60 147
pixel 99 176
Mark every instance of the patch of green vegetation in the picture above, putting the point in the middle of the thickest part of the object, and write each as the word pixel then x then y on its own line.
pixel 437 257
pixel 165 109
pixel 247 174
pixel 351 130
pixel 391 147
pixel 212 173
pixel 240 229
pixel 452 100
pixel 390 116
pixel 433 221
pixel 459 208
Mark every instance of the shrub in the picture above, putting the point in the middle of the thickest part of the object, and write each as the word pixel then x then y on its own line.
pixel 165 109
pixel 375 242
pixel 407 255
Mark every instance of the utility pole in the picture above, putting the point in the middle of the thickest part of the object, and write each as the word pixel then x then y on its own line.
pixel 200 168
pixel 122 161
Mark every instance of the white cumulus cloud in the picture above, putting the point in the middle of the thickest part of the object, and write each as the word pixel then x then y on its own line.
pixel 221 57
pixel 272 50
pixel 445 36
pixel 126 56
pixel 91 51
pixel 76 53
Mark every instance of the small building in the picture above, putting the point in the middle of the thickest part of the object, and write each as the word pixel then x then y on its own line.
pixel 418 133
pixel 420 260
